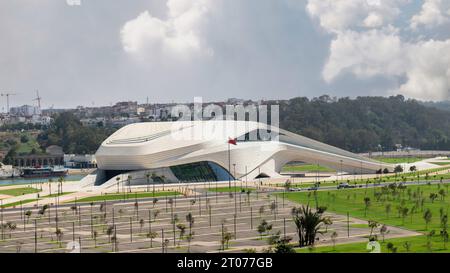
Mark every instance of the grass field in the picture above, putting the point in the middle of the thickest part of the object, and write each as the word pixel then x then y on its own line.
pixel 400 207
pixel 306 168
pixel 398 160
pixel 352 201
pixel 232 189
pixel 19 191
pixel 18 203
pixel 418 244
pixel 441 163
pixel 109 197
pixel 56 194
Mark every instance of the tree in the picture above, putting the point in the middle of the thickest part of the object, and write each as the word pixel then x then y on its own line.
pixel 404 213
pixel 427 216
pixel 182 230
pixel 334 236
pixel 28 214
pixel 59 235
pixel 264 227
pixel 442 193
pixel 407 246
pixel 391 248
pixel 383 231
pixel 109 232
pixel 433 196
pixel 412 168
pixel 372 225
pixel 444 235
pixel 366 205
pixel 327 222
pixel 387 209
pixel 95 234
pixel 429 240
pixel 308 224
pixel 398 169
pixel 151 235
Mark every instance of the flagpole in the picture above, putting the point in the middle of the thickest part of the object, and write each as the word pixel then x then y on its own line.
pixel 229 166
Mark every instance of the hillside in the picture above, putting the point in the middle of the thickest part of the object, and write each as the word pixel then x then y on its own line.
pixel 360 124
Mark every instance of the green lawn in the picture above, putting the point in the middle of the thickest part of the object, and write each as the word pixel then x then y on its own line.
pixel 352 201
pixel 19 191
pixel 306 168
pixel 18 203
pixel 418 244
pixel 110 197
pixel 398 160
pixel 55 194
pixel 27 147
pixel 441 163
pixel 232 189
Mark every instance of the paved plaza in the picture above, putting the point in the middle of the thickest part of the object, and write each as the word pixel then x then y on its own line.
pixel 149 226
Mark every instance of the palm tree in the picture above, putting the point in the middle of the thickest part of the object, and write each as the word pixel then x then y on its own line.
pixel 118 179
pixel 308 224
pixel 190 219
pixel 372 225
pixel 141 225
pixel 388 208
pixel 129 182
pixel 148 181
pixel 189 239
pixel 407 246
pixel 95 234
pixel 328 222
pixel 61 180
pixel 59 235
pixel 404 213
pixel 152 235
pixel 28 214
pixel 261 211
pixel 182 229
pixel 155 214
pixel 334 236
pixel 366 205
pixel 427 216
pixel 109 232
pixel 383 231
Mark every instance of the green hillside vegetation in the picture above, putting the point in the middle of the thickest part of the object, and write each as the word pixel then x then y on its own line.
pixel 361 124
pixel 68 132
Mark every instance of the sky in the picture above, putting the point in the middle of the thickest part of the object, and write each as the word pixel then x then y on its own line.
pixel 104 51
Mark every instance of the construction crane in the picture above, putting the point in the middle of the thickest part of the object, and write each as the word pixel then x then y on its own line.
pixel 7 99
pixel 38 99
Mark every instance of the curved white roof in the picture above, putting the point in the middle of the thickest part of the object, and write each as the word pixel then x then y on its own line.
pixel 150 145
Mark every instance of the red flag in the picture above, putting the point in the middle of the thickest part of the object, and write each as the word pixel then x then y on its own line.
pixel 232 141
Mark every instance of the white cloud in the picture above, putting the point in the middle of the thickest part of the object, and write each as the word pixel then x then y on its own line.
pixel 428 75
pixel 425 65
pixel 179 35
pixel 366 54
pixel 381 50
pixel 433 13
pixel 339 15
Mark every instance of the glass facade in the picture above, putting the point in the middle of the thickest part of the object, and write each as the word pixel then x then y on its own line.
pixel 200 172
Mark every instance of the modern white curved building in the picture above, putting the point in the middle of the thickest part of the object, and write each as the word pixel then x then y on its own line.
pixel 198 151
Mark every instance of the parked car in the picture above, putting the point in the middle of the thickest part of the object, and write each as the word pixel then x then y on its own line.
pixel 345 186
